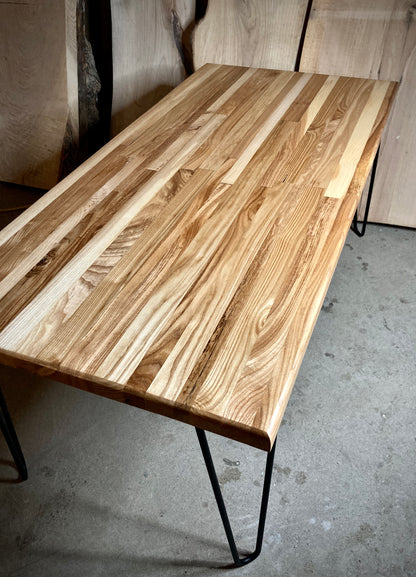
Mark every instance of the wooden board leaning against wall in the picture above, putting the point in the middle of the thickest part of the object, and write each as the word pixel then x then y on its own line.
pixel 375 39
pixel 147 60
pixel 262 33
pixel 38 90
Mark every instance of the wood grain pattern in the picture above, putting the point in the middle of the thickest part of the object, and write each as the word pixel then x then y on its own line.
pixel 182 268
pixel 371 39
pixel 359 38
pixel 38 89
pixel 394 199
pixel 259 33
pixel 146 60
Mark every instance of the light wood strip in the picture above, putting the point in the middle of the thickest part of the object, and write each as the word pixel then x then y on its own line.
pixel 221 279
pixel 264 131
pixel 295 127
pixel 28 318
pixel 174 120
pixel 233 347
pixel 326 120
pixel 107 262
pixel 320 166
pixel 232 138
pixel 23 265
pixel 215 106
pixel 355 147
pixel 56 258
pixel 178 213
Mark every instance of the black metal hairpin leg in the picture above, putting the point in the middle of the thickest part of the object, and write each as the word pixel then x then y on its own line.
pixel 354 226
pixel 238 561
pixel 12 441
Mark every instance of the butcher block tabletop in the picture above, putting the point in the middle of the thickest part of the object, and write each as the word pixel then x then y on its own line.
pixel 181 269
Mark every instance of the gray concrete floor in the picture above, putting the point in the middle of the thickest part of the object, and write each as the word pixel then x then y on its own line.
pixel 115 491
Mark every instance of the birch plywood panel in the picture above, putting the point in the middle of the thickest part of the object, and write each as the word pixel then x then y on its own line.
pixel 38 89
pixel 146 60
pixel 262 33
pixel 374 40
pixel 183 267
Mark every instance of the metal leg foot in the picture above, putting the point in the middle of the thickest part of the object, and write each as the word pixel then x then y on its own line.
pixel 12 441
pixel 354 225
pixel 238 561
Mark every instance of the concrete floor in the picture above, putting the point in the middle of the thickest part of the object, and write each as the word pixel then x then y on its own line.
pixel 115 491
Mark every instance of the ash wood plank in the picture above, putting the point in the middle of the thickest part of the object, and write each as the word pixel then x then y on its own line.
pixel 182 292
pixel 37 114
pixel 394 201
pixel 359 38
pixel 264 130
pixel 144 33
pixel 240 123
pixel 321 128
pixel 355 147
pixel 259 33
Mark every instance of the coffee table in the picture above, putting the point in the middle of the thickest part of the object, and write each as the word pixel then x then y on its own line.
pixel 181 269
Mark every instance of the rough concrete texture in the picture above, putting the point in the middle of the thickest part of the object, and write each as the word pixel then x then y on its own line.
pixel 115 491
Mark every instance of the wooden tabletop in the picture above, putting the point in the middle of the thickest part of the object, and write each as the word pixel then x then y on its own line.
pixel 182 268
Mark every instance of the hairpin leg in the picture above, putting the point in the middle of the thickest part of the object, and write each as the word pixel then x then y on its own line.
pixel 12 441
pixel 354 225
pixel 238 561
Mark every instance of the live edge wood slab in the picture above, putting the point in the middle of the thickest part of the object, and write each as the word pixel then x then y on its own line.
pixel 182 268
